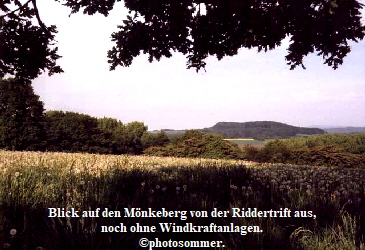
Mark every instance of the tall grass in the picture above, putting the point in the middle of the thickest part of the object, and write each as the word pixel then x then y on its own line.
pixel 32 182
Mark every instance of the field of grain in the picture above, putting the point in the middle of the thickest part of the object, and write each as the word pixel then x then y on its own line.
pixel 32 182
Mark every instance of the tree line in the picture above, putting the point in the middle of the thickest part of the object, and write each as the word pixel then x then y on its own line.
pixel 25 126
pixel 341 150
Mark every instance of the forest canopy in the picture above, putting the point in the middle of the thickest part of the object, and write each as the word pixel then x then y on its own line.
pixel 195 28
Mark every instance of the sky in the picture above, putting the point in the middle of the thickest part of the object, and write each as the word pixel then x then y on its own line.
pixel 250 86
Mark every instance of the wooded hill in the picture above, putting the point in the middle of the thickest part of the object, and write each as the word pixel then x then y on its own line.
pixel 259 130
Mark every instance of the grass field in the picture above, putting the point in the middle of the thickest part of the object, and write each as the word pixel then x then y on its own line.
pixel 31 182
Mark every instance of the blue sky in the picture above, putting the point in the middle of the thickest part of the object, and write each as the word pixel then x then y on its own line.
pixel 250 86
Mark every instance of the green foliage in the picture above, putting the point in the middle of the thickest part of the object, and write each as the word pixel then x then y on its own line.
pixel 197 144
pixel 199 29
pixel 26 47
pixel 74 132
pixel 344 150
pixel 341 236
pixel 195 28
pixel 352 143
pixel 154 139
pixel 21 116
pixel 131 137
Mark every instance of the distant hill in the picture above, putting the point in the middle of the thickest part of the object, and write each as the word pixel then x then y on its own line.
pixel 260 130
pixel 172 132
pixel 347 130
pixel 257 129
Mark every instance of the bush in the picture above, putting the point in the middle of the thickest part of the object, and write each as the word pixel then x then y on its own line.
pixel 345 150
pixel 195 144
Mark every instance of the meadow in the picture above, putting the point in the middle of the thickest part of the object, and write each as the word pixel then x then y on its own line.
pixel 32 182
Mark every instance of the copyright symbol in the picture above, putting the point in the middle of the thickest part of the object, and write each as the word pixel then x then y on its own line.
pixel 144 242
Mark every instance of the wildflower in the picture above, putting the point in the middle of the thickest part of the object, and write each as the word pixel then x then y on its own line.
pixel 143 183
pixel 13 232
pixel 177 188
pixel 6 245
pixel 17 174
pixel 157 186
pixel 82 182
pixel 164 189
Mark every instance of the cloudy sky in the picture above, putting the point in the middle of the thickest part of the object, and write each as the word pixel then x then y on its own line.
pixel 248 87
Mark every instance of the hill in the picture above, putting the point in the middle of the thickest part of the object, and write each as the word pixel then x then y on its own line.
pixel 345 130
pixel 259 129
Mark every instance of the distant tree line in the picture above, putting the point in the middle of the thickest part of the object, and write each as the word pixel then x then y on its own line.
pixel 24 125
pixel 342 150
pixel 73 132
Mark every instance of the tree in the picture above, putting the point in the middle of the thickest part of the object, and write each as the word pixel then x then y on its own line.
pixel 123 138
pixel 21 116
pixel 132 135
pixel 197 144
pixel 154 139
pixel 74 132
pixel 195 28
pixel 26 49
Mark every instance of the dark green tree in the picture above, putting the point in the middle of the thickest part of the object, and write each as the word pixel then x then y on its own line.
pixel 21 116
pixel 123 138
pixel 195 28
pixel 197 144
pixel 154 139
pixel 26 48
pixel 74 132
pixel 132 137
